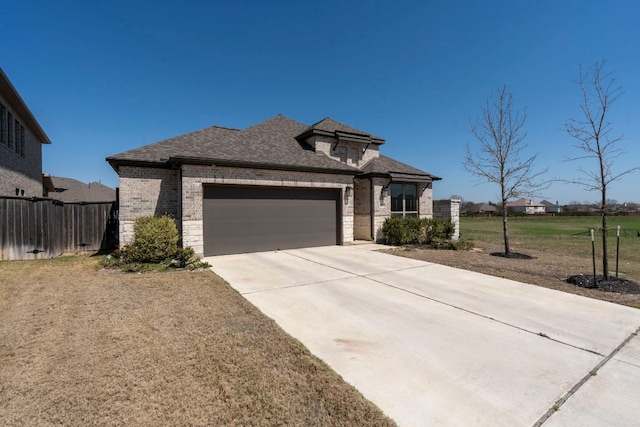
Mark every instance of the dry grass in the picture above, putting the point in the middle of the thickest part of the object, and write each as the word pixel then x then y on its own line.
pixel 85 347
pixel 560 247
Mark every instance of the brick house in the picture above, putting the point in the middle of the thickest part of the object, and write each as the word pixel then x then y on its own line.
pixel 526 206
pixel 21 139
pixel 275 185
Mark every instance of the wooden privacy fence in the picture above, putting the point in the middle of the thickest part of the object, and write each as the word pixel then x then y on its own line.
pixel 45 228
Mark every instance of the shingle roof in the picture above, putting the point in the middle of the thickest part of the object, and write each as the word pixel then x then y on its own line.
pixel 331 126
pixel 273 143
pixel 481 208
pixel 387 165
pixel 70 190
pixel 268 143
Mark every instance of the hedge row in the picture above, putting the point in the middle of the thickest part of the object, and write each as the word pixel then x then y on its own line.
pixel 408 230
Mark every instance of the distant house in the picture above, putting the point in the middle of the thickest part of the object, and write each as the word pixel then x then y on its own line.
pixel 70 190
pixel 21 139
pixel 484 209
pixel 551 207
pixel 526 206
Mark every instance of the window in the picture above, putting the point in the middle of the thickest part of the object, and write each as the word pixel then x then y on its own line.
pixel 3 125
pixel 404 199
pixel 16 129
pixel 21 141
pixel 10 133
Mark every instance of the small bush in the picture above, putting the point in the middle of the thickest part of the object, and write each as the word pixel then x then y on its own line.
pixel 155 239
pixel 411 230
pixel 154 247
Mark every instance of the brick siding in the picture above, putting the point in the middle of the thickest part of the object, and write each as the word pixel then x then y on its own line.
pixel 23 173
pixel 147 191
pixel 449 210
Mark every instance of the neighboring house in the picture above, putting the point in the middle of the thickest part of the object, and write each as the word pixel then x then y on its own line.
pixel 551 207
pixel 527 206
pixel 481 209
pixel 21 139
pixel 70 190
pixel 275 185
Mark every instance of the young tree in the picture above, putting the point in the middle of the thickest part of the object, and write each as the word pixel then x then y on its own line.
pixel 593 133
pixel 499 131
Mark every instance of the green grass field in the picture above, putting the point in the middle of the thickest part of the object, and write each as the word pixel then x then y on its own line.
pixel 562 235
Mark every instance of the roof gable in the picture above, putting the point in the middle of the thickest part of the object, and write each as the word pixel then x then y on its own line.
pixel 330 127
pixel 384 165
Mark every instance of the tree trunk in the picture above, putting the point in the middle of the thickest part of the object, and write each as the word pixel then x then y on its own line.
pixel 603 183
pixel 505 229
pixel 605 255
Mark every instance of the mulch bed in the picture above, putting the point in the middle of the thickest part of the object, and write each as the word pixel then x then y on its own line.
pixel 512 255
pixel 613 284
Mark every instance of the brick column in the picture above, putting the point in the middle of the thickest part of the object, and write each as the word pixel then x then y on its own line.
pixel 449 210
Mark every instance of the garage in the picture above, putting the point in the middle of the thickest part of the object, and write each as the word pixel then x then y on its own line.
pixel 240 219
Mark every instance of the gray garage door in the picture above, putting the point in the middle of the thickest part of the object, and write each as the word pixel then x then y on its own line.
pixel 240 219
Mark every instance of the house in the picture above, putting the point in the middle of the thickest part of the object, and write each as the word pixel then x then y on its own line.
pixel 482 209
pixel 21 139
pixel 71 190
pixel 275 185
pixel 527 206
pixel 551 207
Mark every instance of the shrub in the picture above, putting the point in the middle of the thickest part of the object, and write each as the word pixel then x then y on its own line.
pixel 155 239
pixel 411 230
pixel 154 247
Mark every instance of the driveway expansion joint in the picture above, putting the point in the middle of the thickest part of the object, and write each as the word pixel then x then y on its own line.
pixel 583 381
pixel 475 313
pixel 351 272
pixel 297 285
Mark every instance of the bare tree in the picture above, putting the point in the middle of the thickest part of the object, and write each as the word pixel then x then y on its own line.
pixel 499 131
pixel 593 133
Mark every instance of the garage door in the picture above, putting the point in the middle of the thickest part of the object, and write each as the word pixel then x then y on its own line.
pixel 240 219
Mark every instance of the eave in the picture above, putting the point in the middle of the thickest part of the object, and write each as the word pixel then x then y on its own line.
pixel 12 96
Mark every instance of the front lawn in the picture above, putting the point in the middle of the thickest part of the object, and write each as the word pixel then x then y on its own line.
pixel 81 346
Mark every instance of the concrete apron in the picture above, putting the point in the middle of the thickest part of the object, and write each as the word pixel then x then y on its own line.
pixel 435 345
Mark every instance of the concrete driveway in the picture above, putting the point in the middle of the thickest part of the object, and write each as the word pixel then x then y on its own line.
pixel 435 345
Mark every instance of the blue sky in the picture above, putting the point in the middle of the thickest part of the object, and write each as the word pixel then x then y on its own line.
pixel 107 76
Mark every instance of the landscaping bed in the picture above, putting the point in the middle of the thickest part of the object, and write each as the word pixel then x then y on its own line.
pixel 541 268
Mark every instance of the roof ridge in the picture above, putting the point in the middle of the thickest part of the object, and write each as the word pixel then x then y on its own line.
pixel 221 127
pixel 320 121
